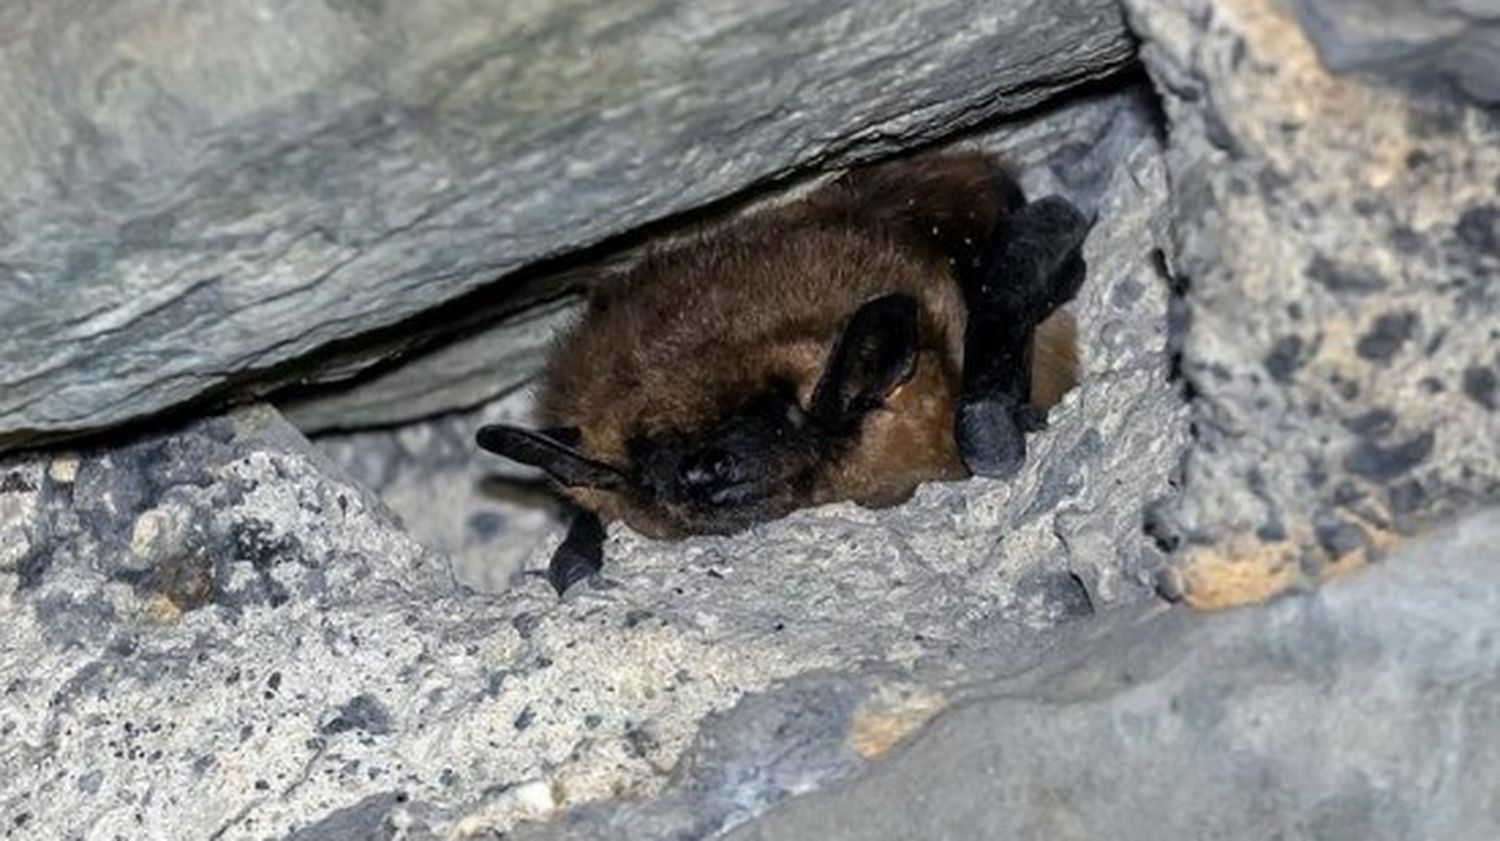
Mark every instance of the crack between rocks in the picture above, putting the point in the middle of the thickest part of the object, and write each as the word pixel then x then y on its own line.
pixel 1062 540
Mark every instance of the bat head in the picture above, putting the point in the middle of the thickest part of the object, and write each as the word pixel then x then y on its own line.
pixel 764 457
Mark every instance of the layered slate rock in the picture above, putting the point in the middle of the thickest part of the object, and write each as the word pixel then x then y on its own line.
pixel 457 374
pixel 200 195
pixel 1369 709
pixel 214 630
pixel 1338 242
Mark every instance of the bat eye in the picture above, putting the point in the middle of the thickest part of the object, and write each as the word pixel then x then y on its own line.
pixel 794 415
pixel 781 396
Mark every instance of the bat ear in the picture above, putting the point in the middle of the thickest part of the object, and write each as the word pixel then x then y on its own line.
pixel 553 451
pixel 876 353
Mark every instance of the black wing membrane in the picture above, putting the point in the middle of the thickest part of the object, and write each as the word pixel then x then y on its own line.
pixel 1035 266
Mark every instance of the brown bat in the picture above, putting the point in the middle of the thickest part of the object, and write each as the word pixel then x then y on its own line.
pixel 896 326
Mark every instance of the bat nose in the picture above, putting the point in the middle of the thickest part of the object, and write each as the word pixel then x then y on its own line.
pixel 709 469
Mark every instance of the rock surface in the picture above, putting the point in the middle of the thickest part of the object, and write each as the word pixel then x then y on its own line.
pixel 1339 244
pixel 1411 40
pixel 488 520
pixel 1369 709
pixel 214 632
pixel 454 375
pixel 194 200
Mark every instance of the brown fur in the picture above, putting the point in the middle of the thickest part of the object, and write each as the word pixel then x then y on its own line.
pixel 694 329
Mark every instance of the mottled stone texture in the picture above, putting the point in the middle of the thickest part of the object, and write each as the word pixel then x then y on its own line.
pixel 1367 710
pixel 199 193
pixel 1337 243
pixel 215 629
pixel 213 633
pixel 1410 40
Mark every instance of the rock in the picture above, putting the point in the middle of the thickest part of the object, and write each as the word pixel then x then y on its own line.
pixel 1367 709
pixel 1334 238
pixel 219 614
pixel 1418 40
pixel 196 201
pixel 488 520
pixel 795 737
pixel 455 375
pixel 215 631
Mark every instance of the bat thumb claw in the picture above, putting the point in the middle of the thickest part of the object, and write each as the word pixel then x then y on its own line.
pixel 990 441
pixel 567 569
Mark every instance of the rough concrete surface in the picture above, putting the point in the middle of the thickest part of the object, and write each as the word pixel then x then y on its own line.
pixel 1367 710
pixel 1339 244
pixel 199 193
pixel 214 632
pixel 490 521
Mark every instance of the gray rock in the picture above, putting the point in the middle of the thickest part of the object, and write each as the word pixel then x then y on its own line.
pixel 455 375
pixel 1336 242
pixel 1417 40
pixel 488 519
pixel 1369 709
pixel 196 201
pixel 373 819
pixel 792 738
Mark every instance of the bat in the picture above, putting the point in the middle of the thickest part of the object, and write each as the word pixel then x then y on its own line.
pixel 899 325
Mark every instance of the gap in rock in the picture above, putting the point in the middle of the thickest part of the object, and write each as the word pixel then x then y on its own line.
pixel 494 518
